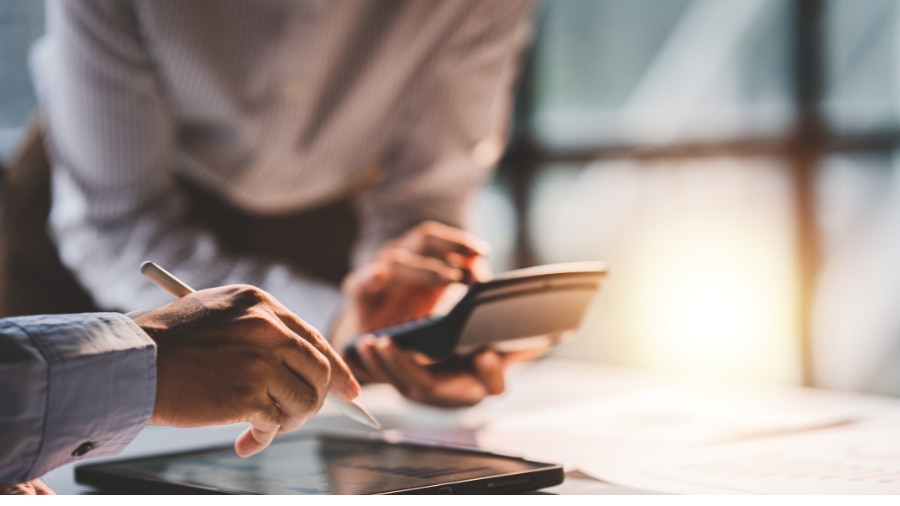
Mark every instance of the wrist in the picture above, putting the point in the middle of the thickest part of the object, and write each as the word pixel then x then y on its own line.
pixel 145 321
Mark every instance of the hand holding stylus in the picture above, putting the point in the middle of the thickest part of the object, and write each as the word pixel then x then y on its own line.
pixel 234 354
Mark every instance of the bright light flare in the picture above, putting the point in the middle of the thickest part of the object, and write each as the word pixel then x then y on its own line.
pixel 711 299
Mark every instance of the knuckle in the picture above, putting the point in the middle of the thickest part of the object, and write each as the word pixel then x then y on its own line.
pixel 261 322
pixel 248 295
pixel 270 412
pixel 318 372
pixel 308 332
pixel 309 398
pixel 323 366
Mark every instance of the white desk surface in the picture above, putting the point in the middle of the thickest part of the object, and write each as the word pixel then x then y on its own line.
pixel 632 432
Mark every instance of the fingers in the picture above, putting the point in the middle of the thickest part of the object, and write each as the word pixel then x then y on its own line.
pixel 451 246
pixel 406 266
pixel 33 487
pixel 26 488
pixel 480 270
pixel 396 286
pixel 341 380
pixel 254 440
pixel 292 399
pixel 234 354
pixel 265 423
pixel 375 368
pixel 408 277
pixel 446 385
pixel 368 279
pixel 438 240
pixel 41 488
pixel 296 399
pixel 525 355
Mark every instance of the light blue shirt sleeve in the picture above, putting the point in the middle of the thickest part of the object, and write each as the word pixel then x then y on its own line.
pixel 71 387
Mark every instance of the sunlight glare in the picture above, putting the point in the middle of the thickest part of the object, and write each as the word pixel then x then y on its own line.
pixel 720 301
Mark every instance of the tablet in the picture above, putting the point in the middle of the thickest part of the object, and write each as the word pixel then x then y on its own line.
pixel 324 464
pixel 537 301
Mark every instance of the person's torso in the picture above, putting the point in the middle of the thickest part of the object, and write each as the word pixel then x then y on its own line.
pixel 283 104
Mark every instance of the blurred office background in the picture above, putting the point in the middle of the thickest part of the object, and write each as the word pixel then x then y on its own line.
pixel 732 161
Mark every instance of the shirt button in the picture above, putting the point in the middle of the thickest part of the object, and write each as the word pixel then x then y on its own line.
pixel 83 448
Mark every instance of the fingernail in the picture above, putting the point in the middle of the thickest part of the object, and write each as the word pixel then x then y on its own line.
pixel 351 390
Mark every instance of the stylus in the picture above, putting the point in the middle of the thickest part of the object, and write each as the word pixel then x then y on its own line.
pixel 177 288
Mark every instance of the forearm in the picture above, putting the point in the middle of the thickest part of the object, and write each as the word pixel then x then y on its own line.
pixel 73 387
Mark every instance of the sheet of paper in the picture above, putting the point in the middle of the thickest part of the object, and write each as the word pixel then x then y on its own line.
pixel 578 413
pixel 857 459
pixel 635 428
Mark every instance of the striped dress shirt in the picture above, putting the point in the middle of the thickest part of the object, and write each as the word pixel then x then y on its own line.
pixel 275 105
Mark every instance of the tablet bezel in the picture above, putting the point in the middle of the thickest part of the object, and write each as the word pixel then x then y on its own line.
pixel 111 477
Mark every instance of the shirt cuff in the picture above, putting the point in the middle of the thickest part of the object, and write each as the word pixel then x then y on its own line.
pixel 101 385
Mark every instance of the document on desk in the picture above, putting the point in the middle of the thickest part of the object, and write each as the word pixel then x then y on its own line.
pixel 860 458
pixel 635 429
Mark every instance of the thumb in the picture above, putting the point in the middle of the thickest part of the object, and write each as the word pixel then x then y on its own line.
pixel 254 440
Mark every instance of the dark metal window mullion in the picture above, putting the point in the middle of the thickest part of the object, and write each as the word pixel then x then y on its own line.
pixel 809 136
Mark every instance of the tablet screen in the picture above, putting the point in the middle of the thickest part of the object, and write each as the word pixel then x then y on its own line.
pixel 322 465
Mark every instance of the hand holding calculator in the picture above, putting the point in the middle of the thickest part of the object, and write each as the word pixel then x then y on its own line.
pixel 519 304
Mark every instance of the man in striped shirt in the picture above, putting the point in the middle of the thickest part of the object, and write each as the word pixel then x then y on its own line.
pixel 283 143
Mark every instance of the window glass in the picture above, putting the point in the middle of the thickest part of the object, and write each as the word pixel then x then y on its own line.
pixel 21 22
pixel 861 86
pixel 620 71
pixel 856 331
pixel 700 255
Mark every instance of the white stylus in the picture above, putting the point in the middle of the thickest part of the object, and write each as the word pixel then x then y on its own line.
pixel 168 282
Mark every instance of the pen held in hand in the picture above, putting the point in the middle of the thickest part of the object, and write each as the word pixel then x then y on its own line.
pixel 177 288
